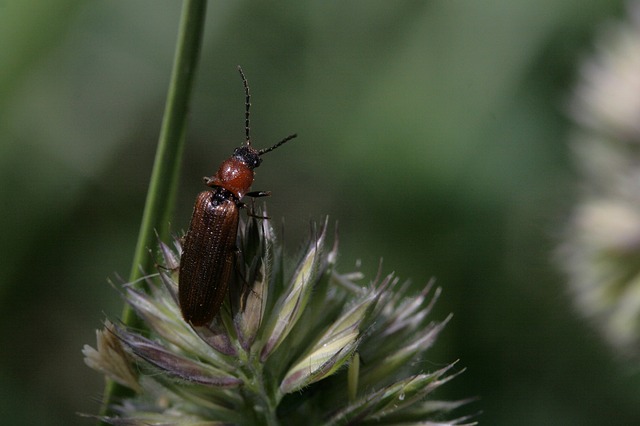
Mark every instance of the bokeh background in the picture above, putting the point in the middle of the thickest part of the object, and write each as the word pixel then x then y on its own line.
pixel 434 132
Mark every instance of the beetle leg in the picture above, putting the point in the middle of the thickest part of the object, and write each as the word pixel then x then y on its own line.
pixel 257 194
pixel 250 211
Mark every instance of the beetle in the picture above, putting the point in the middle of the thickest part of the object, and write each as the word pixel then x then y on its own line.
pixel 209 247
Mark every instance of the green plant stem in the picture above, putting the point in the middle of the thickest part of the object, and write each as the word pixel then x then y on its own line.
pixel 166 168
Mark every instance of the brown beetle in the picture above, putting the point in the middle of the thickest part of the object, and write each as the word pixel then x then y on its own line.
pixel 209 249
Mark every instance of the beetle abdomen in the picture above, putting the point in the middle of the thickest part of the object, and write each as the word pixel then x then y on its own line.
pixel 208 256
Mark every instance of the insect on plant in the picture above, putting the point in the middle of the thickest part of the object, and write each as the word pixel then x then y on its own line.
pixel 209 248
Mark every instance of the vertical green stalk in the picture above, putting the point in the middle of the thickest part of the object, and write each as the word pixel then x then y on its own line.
pixel 166 167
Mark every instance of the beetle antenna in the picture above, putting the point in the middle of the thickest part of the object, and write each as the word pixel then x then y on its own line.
pixel 287 139
pixel 247 105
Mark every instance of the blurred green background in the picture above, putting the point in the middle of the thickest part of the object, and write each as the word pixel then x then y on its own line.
pixel 434 132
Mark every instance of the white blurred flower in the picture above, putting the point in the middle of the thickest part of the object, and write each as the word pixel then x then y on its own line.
pixel 601 251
